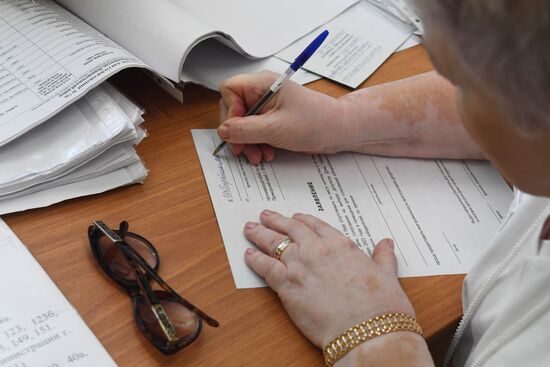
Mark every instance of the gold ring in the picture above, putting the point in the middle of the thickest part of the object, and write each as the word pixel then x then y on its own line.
pixel 281 247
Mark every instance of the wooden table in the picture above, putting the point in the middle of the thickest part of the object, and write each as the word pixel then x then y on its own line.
pixel 173 210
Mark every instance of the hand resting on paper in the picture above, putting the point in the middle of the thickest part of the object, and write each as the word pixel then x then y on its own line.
pixel 327 284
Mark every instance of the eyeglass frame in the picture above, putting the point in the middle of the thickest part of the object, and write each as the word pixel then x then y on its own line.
pixel 141 287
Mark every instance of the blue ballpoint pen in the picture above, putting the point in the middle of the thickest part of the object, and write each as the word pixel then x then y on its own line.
pixel 298 63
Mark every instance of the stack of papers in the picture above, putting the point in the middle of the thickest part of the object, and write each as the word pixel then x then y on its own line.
pixel 85 149
pixel 361 38
pixel 61 138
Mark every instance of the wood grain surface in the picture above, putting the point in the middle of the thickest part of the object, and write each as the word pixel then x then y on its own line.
pixel 173 210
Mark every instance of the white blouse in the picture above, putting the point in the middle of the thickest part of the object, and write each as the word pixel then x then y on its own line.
pixel 506 295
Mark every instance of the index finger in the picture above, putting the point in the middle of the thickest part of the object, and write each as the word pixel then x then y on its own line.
pixel 296 230
pixel 240 92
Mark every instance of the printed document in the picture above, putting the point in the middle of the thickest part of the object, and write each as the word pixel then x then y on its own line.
pixel 38 326
pixel 211 62
pixel 360 40
pixel 48 59
pixel 440 213
pixel 162 32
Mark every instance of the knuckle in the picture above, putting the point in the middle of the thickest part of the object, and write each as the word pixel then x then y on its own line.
pixel 271 273
pixel 224 85
pixel 268 74
pixel 350 244
pixel 294 274
pixel 239 128
pixel 294 226
pixel 285 296
pixel 319 226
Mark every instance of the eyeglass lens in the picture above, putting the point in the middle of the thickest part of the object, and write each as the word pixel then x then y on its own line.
pixel 184 320
pixel 116 261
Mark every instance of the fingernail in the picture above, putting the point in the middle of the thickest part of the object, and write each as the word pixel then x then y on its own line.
pixel 390 243
pixel 250 225
pixel 223 131
pixel 267 212
pixel 250 251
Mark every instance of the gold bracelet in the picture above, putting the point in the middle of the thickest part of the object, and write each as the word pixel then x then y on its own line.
pixel 367 330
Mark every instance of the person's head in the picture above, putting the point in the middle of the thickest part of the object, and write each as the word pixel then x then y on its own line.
pixel 497 52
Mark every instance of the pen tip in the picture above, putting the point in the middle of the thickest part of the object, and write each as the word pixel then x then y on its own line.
pixel 218 148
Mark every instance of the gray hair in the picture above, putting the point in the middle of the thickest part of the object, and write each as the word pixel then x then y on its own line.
pixel 505 46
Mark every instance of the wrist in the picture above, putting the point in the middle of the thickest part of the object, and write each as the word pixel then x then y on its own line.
pixel 396 333
pixel 335 134
pixel 400 348
pixel 359 122
pixel 345 123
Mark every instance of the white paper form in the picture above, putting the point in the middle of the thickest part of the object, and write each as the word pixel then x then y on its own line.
pixel 441 214
pixel 162 32
pixel 48 58
pixel 38 326
pixel 360 40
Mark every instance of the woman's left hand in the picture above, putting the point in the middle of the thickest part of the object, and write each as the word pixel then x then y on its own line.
pixel 325 282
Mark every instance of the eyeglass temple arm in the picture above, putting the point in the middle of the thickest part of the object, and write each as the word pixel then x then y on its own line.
pixel 128 253
pixel 164 322
pixel 142 281
pixel 145 266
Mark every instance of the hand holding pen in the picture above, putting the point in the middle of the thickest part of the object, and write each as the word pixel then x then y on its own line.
pixel 299 62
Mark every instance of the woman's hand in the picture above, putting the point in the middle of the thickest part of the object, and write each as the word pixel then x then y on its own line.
pixel 296 118
pixel 325 282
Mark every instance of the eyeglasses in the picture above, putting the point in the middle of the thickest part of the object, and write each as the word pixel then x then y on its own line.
pixel 164 317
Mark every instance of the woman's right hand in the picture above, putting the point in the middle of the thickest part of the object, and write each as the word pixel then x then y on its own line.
pixel 296 118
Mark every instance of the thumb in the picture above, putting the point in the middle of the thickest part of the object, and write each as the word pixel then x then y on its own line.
pixel 245 130
pixel 384 255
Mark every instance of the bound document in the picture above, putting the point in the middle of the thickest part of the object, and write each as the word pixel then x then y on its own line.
pixel 52 53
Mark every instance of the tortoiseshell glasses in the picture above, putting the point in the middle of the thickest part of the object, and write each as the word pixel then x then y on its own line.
pixel 164 317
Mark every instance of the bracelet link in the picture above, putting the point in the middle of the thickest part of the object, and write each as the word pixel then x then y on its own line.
pixel 367 330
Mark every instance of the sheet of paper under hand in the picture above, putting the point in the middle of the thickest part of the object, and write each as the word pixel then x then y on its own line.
pixel 360 40
pixel 441 214
pixel 38 326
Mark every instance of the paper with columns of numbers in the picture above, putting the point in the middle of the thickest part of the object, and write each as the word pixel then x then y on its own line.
pixel 48 59
pixel 440 213
pixel 38 326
